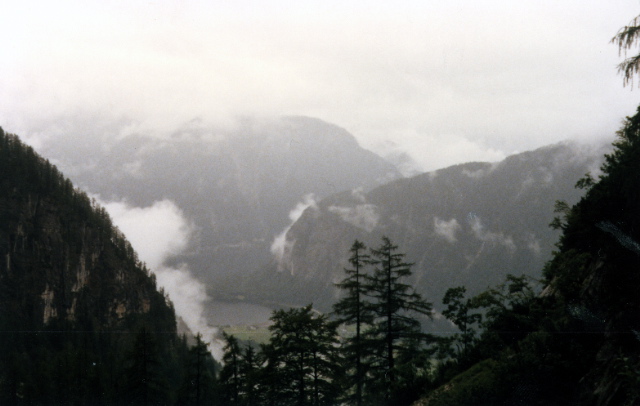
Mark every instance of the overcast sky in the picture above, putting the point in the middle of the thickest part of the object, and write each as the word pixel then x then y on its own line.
pixel 448 81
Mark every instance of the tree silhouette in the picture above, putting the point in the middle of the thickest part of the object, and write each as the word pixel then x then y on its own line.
pixel 144 385
pixel 353 309
pixel 231 379
pixel 200 385
pixel 301 358
pixel 458 311
pixel 395 327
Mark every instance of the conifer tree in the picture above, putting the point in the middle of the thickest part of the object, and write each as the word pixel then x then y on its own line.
pixel 250 373
pixel 627 37
pixel 200 385
pixel 144 385
pixel 300 359
pixel 395 327
pixel 353 309
pixel 230 375
pixel 458 311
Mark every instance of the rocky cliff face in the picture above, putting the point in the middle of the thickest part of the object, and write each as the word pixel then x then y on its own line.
pixel 70 278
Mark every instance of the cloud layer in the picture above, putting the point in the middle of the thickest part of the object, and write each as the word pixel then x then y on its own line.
pixel 447 82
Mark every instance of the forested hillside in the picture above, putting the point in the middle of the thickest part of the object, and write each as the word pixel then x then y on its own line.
pixel 236 186
pixel 469 224
pixel 82 320
pixel 576 342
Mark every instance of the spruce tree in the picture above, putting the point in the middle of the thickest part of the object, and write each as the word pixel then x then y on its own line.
pixel 250 373
pixel 144 384
pixel 626 38
pixel 300 359
pixel 395 327
pixel 353 309
pixel 200 385
pixel 230 375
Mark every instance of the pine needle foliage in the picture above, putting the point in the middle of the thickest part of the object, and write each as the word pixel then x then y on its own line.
pixel 627 38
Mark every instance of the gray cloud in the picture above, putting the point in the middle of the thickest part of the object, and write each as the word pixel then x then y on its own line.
pixel 533 243
pixel 157 232
pixel 363 216
pixel 281 245
pixel 446 229
pixel 447 82
pixel 480 232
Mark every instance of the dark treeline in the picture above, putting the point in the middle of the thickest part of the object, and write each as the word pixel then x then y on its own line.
pixel 372 350
pixel 577 342
pixel 82 321
pixel 377 357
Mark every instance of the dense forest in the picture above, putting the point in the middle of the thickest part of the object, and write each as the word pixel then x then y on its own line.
pixel 82 320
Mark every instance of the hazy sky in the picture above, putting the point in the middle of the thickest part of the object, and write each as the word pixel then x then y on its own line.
pixel 448 81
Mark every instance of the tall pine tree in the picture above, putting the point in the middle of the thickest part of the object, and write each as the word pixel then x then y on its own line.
pixel 144 385
pixel 300 359
pixel 200 383
pixel 353 309
pixel 395 327
pixel 230 378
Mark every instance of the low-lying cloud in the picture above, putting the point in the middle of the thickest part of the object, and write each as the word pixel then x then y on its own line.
pixel 158 232
pixel 484 235
pixel 280 244
pixel 458 96
pixel 533 243
pixel 363 216
pixel 446 229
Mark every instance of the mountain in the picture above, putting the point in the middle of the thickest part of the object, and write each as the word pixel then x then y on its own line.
pixel 242 187
pixel 577 342
pixel 469 224
pixel 236 186
pixel 81 316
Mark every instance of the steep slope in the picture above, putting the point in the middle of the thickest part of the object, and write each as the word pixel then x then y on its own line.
pixel 236 186
pixel 469 224
pixel 596 271
pixel 580 341
pixel 74 296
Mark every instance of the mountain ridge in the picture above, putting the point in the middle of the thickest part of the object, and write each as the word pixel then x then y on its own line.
pixel 242 201
pixel 459 217
pixel 77 301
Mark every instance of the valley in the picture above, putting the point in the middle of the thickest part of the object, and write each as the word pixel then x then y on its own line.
pixel 271 209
